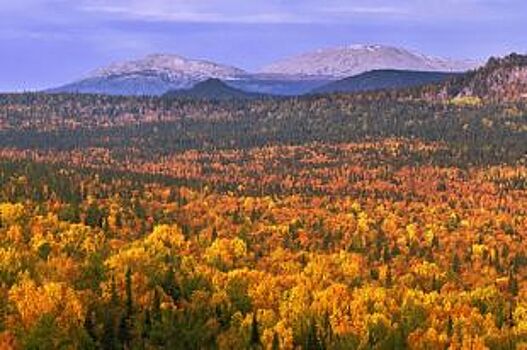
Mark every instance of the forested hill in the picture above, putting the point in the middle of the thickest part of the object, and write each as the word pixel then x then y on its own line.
pixel 385 79
pixel 213 89
pixel 486 134
pixel 501 79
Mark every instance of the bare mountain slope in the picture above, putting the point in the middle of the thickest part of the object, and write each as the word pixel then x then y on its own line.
pixel 343 62
pixel 152 75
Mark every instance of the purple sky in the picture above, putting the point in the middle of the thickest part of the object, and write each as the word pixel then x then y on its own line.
pixel 45 43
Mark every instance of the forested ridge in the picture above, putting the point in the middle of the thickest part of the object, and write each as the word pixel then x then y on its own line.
pixel 364 221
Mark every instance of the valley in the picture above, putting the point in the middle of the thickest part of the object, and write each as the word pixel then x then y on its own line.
pixel 210 217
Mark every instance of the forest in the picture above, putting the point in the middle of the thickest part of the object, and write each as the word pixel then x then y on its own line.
pixel 365 221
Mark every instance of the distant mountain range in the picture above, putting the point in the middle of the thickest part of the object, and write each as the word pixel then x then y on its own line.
pixel 384 79
pixel 157 74
pixel 213 89
pixel 152 75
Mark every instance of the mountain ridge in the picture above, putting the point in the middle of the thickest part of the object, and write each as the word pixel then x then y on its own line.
pixel 158 73
pixel 152 75
pixel 500 79
pixel 346 61
pixel 384 79
pixel 170 63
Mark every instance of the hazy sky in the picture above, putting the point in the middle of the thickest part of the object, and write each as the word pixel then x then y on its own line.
pixel 48 42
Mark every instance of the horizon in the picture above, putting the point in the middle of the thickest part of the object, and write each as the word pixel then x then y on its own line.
pixel 47 43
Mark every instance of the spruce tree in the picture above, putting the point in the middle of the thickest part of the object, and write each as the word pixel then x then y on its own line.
pixel 254 341
pixel 108 341
pixel 450 327
pixel 156 307
pixel 89 326
pixel 456 263
pixel 327 328
pixel 389 279
pixel 513 284
pixel 129 298
pixel 276 342
pixel 124 333
pixel 312 339
pixel 147 325
pixel 170 286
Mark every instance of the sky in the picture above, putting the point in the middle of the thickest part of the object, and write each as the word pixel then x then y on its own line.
pixel 45 43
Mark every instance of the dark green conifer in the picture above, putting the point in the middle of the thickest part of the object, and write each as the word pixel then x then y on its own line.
pixel 254 340
pixel 276 342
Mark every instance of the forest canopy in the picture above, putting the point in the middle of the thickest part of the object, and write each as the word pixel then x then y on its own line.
pixel 365 221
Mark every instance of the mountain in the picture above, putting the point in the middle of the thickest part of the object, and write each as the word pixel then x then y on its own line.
pixel 152 75
pixel 384 79
pixel 342 62
pixel 159 73
pixel 213 89
pixel 501 79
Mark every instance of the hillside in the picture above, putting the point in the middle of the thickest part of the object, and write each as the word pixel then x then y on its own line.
pixel 279 84
pixel 174 223
pixel 213 89
pixel 384 79
pixel 343 62
pixel 151 75
pixel 501 79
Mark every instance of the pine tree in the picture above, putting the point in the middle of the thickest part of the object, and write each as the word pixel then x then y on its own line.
pixel 129 298
pixel 510 318
pixel 89 325
pixel 214 234
pixel 147 325
pixel 156 307
pixel 126 320
pixel 254 341
pixel 389 279
pixel 386 254
pixel 436 284
pixel 497 261
pixel 450 327
pixel 513 284
pixel 124 333
pixel 312 339
pixel 276 342
pixel 170 286
pixel 114 299
pixel 456 263
pixel 327 328
pixel 108 341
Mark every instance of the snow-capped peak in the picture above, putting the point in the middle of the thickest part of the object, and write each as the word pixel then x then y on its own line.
pixel 345 61
pixel 173 66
